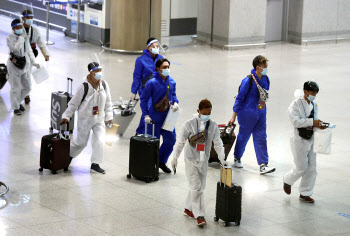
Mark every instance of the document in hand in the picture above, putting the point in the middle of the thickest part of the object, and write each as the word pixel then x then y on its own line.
pixel 40 74
pixel 111 134
pixel 170 120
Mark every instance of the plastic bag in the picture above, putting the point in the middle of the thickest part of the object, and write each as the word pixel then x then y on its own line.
pixel 40 75
pixel 322 140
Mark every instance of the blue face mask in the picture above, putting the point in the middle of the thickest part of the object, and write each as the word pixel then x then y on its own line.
pixel 204 118
pixel 29 21
pixel 264 72
pixel 98 75
pixel 155 50
pixel 165 72
pixel 311 98
pixel 19 31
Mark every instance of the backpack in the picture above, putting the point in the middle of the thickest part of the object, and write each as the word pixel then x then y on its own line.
pixel 251 82
pixel 86 89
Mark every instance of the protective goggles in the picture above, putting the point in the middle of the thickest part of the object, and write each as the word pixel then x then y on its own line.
pixel 28 15
pixel 15 25
pixel 152 42
pixel 96 68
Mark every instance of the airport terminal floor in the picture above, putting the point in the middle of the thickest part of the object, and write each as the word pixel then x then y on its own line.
pixel 78 202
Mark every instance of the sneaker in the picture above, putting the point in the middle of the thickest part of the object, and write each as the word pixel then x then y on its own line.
pixel 287 188
pixel 27 100
pixel 238 163
pixel 21 108
pixel 17 112
pixel 306 199
pixel 264 169
pixel 201 221
pixel 164 168
pixel 97 168
pixel 188 213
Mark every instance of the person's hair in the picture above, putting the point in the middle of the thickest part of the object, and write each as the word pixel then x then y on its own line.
pixel 204 104
pixel 92 65
pixel 150 39
pixel 25 12
pixel 259 60
pixel 161 61
pixel 311 86
pixel 15 21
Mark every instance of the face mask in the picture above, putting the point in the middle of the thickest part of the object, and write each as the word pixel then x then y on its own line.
pixel 204 118
pixel 311 98
pixel 264 72
pixel 165 72
pixel 29 21
pixel 98 75
pixel 155 50
pixel 19 31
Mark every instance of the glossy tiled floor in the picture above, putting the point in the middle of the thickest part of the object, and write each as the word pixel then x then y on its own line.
pixel 80 203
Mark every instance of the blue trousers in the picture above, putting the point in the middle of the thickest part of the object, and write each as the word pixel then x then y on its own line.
pixel 252 123
pixel 169 139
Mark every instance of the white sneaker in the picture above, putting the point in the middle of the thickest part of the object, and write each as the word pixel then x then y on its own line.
pixel 264 169
pixel 238 163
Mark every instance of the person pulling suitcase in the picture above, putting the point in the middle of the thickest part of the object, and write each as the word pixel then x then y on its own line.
pixel 197 137
pixel 93 102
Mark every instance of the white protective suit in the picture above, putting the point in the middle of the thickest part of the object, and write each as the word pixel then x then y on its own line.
pixel 38 40
pixel 19 79
pixel 302 149
pixel 87 121
pixel 197 162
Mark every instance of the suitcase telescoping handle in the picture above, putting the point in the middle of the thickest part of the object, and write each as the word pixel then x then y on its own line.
pixel 153 125
pixel 223 170
pixel 71 85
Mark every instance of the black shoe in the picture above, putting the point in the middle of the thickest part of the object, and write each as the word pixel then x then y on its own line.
pixel 17 112
pixel 97 168
pixel 164 168
pixel 21 108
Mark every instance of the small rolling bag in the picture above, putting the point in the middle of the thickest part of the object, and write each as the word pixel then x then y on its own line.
pixel 144 157
pixel 228 199
pixel 55 152
pixel 228 137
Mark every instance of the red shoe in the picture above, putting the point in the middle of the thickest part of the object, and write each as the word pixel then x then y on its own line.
pixel 306 199
pixel 287 188
pixel 27 100
pixel 201 221
pixel 188 213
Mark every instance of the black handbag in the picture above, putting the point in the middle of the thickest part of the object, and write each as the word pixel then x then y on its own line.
pixel 306 133
pixel 19 62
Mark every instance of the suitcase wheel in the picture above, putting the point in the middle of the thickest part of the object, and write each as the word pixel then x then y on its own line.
pixel 54 172
pixel 156 178
pixel 237 223
pixel 128 176
pixel 41 169
pixel 225 224
pixel 65 169
pixel 216 219
pixel 51 130
pixel 147 180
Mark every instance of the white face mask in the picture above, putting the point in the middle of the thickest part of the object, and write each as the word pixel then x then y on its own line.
pixel 155 50
pixel 165 72
pixel 29 21
pixel 98 75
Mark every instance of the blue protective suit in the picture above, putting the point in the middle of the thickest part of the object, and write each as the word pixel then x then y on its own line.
pixel 144 66
pixel 251 120
pixel 155 90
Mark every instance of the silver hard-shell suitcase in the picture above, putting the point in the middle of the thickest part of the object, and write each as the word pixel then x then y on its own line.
pixel 123 113
pixel 59 103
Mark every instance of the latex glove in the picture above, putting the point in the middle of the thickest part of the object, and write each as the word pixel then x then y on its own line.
pixel 133 96
pixel 223 163
pixel 36 65
pixel 148 119
pixel 174 164
pixel 175 106
pixel 109 124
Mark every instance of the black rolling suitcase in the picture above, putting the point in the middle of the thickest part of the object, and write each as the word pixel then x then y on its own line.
pixel 3 75
pixel 55 152
pixel 144 157
pixel 228 138
pixel 228 200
